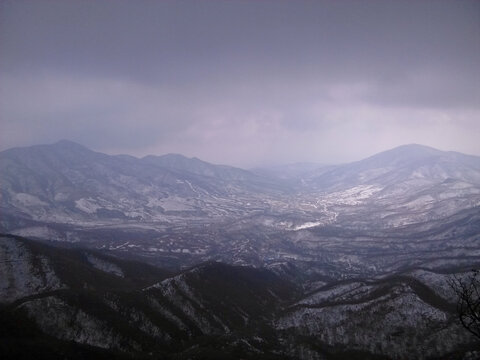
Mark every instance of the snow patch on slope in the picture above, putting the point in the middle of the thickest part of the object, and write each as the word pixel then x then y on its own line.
pixel 29 200
pixel 353 196
pixel 308 225
pixel 104 265
pixel 42 232
pixel 23 273
pixel 87 205
pixel 58 319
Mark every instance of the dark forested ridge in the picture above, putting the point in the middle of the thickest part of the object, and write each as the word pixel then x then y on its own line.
pixel 71 303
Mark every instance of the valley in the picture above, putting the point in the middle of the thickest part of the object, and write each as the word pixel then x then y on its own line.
pixel 173 256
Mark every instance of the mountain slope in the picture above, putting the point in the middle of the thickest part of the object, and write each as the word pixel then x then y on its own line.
pixel 397 317
pixel 408 163
pixel 198 167
pixel 79 300
pixel 95 300
pixel 176 212
pixel 66 182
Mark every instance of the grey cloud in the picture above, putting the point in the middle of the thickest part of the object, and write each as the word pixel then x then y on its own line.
pixel 241 82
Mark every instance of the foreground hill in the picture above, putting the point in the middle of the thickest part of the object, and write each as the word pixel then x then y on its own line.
pixel 82 296
pixel 72 303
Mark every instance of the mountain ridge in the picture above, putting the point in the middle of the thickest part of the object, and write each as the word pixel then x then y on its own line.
pixel 406 162
pixel 258 266
pixel 65 300
pixel 410 149
pixel 180 213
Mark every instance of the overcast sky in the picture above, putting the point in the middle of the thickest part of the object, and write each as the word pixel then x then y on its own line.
pixel 244 83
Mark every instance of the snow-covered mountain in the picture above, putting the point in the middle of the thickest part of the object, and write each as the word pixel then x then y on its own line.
pixel 175 211
pixel 68 183
pixel 323 252
pixel 412 164
pixel 65 301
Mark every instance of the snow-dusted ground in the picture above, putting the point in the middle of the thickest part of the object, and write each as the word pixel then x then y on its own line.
pixel 307 225
pixel 353 196
pixel 27 200
pixel 398 323
pixel 136 318
pixel 58 319
pixel 41 232
pixel 105 266
pixel 326 203
pixel 23 273
pixel 178 292
pixel 90 206
pixel 439 283
pixel 350 291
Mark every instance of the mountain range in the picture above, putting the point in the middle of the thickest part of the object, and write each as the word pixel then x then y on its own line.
pixel 177 211
pixel 173 257
pixel 66 181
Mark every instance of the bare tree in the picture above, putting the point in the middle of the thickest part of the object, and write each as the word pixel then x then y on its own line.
pixel 468 303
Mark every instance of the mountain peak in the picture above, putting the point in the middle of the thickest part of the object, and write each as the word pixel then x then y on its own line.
pixel 403 154
pixel 62 146
pixel 68 144
pixel 415 148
